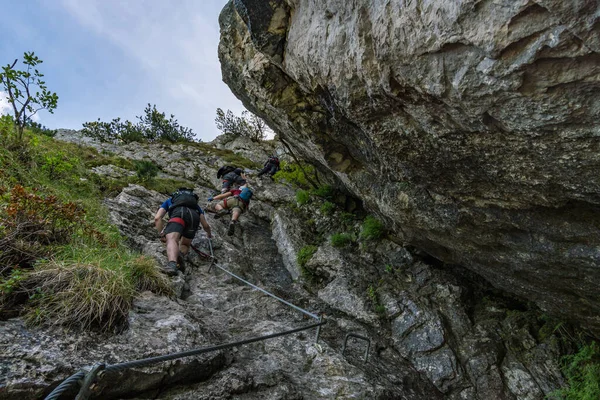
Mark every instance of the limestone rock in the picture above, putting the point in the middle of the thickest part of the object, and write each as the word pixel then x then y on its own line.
pixel 470 127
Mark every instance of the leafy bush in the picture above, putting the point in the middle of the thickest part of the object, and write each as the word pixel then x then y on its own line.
pixel 31 222
pixel 7 127
pixel 56 164
pixel 302 197
pixel 248 125
pixel 292 173
pixel 145 170
pixel 40 129
pixel 341 239
pixel 328 208
pixel 372 229
pixel 152 126
pixel 305 254
pixel 582 371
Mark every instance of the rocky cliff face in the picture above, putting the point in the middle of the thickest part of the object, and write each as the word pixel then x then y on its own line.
pixel 471 127
pixel 434 333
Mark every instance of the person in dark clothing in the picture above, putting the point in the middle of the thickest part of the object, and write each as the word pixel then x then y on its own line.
pixel 185 216
pixel 271 166
pixel 233 179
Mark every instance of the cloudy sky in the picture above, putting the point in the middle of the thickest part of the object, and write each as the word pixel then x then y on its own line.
pixel 109 58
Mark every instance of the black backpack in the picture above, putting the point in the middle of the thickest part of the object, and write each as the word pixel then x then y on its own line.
pixel 184 197
pixel 274 160
pixel 225 169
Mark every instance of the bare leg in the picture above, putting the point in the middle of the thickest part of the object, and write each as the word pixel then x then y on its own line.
pixel 172 245
pixel 184 246
pixel 235 214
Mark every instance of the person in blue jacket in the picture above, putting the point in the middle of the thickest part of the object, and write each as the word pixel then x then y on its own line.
pixel 185 216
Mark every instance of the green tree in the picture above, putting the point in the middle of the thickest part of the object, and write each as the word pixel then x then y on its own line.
pixel 247 125
pixel 27 92
pixel 157 126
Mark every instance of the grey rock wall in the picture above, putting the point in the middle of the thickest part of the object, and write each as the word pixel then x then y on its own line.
pixel 470 127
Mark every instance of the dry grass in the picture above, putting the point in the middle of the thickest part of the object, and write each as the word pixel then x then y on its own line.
pixel 78 296
pixel 88 296
pixel 148 277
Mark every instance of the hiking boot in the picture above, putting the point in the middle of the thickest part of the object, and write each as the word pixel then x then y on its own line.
pixel 231 229
pixel 221 213
pixel 171 268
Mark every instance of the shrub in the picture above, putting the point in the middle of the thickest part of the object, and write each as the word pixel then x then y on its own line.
pixel 152 126
pixel 292 173
pixel 7 127
pixel 305 254
pixel 31 222
pixel 247 125
pixel 40 129
pixel 341 239
pixel 582 371
pixel 145 170
pixel 328 208
pixel 302 197
pixel 372 229
pixel 324 191
pixel 56 164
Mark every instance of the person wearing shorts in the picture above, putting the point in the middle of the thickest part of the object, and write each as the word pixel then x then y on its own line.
pixel 180 230
pixel 231 201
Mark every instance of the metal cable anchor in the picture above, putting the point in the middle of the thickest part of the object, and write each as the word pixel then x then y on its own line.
pixel 355 335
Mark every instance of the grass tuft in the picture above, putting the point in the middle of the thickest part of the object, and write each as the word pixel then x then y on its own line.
pixel 341 239
pixel 302 197
pixel 372 229
pixel 78 296
pixel 582 371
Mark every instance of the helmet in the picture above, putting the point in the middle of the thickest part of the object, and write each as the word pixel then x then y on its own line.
pixel 238 171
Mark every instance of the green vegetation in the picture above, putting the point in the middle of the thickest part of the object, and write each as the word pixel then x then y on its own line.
pixel 145 170
pixel 374 297
pixel 328 208
pixel 63 262
pixel 341 239
pixel 302 197
pixel 228 156
pixel 324 191
pixel 292 173
pixel 347 218
pixel 305 254
pixel 247 125
pixel 153 126
pixel 582 371
pixel 27 92
pixel 372 229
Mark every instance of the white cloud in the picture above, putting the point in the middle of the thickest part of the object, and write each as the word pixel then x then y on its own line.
pixel 176 42
pixel 5 107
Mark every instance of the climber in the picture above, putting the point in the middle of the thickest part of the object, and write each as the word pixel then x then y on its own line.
pixel 185 215
pixel 225 169
pixel 233 179
pixel 236 201
pixel 271 166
